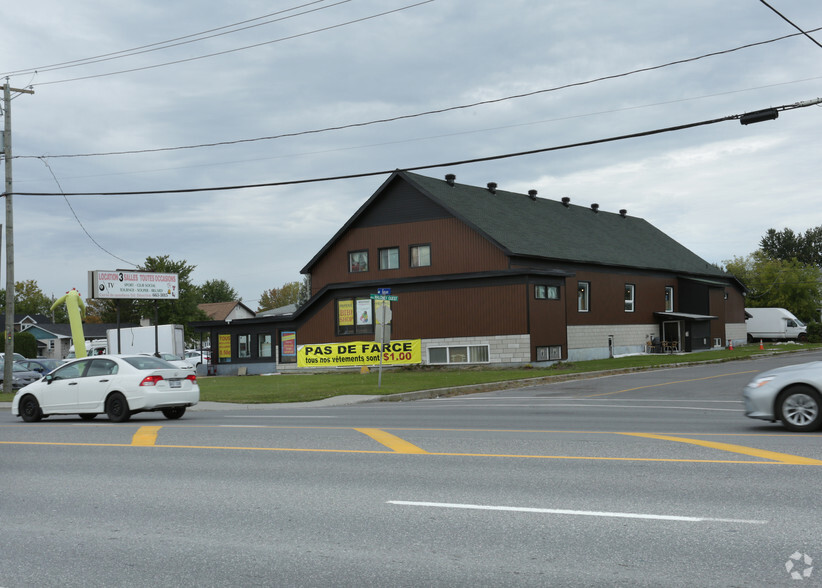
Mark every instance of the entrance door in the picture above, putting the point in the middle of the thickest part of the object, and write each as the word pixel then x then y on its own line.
pixel 672 335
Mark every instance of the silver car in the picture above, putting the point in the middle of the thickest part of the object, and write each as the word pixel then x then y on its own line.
pixel 790 394
pixel 20 375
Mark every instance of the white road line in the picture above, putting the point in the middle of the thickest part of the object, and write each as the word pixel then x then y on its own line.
pixel 279 416
pixel 501 398
pixel 546 405
pixel 587 513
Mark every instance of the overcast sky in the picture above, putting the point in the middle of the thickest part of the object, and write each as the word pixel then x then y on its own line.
pixel 298 68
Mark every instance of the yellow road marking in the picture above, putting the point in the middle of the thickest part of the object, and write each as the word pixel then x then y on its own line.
pixel 145 436
pixel 391 441
pixel 442 454
pixel 753 452
pixel 669 383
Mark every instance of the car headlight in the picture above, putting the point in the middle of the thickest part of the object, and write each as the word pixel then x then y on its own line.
pixel 759 382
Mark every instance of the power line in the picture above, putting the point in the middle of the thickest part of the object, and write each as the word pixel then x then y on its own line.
pixel 236 49
pixel 455 163
pixel 785 18
pixel 424 113
pixel 77 218
pixel 174 42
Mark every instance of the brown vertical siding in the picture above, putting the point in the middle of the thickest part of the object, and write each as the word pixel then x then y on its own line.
pixel 458 312
pixel 455 248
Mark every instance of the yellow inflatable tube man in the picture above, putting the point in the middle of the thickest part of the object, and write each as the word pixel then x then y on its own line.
pixel 76 310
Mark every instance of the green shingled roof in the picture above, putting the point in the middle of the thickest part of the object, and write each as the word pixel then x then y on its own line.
pixel 550 230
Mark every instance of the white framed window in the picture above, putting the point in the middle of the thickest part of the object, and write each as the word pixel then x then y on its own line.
pixel 669 298
pixel 583 296
pixel 420 255
pixel 630 293
pixel 543 292
pixel 453 354
pixel 390 258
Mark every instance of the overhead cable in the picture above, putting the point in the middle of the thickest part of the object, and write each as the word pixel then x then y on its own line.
pixel 455 163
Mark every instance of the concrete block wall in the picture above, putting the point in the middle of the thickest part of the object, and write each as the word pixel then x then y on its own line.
pixel 736 332
pixel 586 342
pixel 501 348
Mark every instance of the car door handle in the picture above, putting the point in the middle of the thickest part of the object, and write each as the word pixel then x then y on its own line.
pixel 104 380
pixel 72 383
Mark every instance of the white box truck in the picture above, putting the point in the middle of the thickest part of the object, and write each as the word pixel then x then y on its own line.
pixel 774 323
pixel 170 339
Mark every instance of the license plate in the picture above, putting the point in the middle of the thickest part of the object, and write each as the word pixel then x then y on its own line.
pixel 175 383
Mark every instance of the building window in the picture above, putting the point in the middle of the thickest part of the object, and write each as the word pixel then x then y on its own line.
pixel 243 346
pixel 583 296
pixel 390 258
pixel 355 316
pixel 459 354
pixel 542 292
pixel 550 353
pixel 264 346
pixel 358 261
pixel 630 292
pixel 420 255
pixel 669 298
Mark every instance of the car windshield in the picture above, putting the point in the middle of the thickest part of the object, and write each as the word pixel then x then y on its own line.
pixel 148 362
pixel 15 367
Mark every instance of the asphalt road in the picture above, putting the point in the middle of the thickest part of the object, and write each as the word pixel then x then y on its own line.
pixel 646 479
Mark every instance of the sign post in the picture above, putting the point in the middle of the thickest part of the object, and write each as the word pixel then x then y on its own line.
pixel 382 329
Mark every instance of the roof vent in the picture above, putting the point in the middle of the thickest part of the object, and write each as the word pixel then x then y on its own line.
pixel 449 178
pixel 595 207
pixel 532 194
pixel 623 213
pixel 566 202
pixel 492 187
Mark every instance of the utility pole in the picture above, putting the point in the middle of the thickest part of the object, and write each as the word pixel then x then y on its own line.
pixel 8 365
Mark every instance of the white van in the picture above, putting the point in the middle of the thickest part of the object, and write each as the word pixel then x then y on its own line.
pixel 774 323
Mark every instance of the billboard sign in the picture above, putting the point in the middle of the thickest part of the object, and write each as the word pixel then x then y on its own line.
pixel 124 284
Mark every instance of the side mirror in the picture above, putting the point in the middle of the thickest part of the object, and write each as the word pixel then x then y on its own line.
pixel 48 378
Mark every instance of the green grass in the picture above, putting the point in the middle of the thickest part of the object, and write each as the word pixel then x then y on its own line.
pixel 308 387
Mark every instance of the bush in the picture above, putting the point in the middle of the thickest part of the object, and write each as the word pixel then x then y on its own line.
pixel 814 332
pixel 24 343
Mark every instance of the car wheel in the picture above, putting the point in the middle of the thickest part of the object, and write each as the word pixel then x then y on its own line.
pixel 30 409
pixel 800 409
pixel 117 408
pixel 174 412
pixel 86 416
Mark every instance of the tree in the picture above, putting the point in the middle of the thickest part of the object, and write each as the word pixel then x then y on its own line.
pixel 276 297
pixel 30 299
pixel 216 291
pixel 179 312
pixel 787 245
pixel 772 282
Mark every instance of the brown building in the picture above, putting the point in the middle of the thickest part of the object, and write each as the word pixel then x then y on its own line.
pixel 488 276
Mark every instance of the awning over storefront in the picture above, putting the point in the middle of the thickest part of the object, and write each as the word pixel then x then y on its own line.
pixel 684 316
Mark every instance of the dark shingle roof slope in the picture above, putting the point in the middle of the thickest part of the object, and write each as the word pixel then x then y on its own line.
pixel 548 229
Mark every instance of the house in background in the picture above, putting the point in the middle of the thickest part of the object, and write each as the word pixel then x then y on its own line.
pixel 54 340
pixel 226 311
pixel 486 276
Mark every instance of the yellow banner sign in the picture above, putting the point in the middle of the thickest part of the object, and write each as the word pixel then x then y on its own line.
pixel 360 353
pixel 224 346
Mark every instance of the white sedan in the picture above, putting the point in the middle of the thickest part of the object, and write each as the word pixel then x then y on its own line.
pixel 115 385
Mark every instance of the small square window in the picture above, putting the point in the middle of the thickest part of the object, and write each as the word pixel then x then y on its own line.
pixel 420 255
pixel 358 261
pixel 389 258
